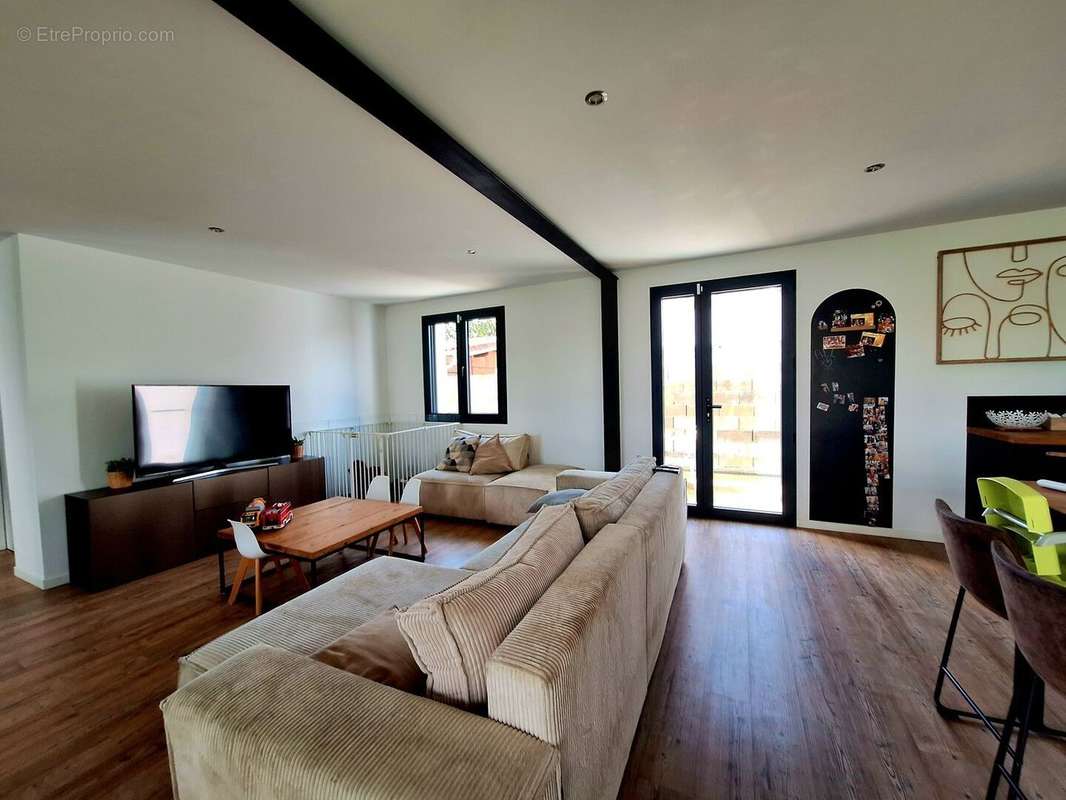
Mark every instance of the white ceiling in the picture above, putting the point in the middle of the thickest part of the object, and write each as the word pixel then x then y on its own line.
pixel 735 125
pixel 138 148
pixel 729 126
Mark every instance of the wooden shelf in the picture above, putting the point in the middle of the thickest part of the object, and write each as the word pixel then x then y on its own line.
pixel 1043 437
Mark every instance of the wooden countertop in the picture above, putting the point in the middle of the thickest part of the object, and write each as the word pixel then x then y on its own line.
pixel 1055 500
pixel 1042 437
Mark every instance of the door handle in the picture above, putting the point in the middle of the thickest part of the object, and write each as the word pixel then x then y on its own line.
pixel 710 408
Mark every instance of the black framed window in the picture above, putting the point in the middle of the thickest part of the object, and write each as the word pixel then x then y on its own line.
pixel 464 366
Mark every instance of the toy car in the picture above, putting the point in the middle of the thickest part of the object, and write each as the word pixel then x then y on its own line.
pixel 277 516
pixel 253 512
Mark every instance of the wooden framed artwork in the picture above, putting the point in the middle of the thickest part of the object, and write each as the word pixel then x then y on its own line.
pixel 1002 302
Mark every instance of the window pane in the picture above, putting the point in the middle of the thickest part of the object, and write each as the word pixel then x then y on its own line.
pixel 679 386
pixel 444 369
pixel 481 365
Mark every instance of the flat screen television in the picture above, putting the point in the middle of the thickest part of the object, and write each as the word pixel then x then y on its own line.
pixel 179 428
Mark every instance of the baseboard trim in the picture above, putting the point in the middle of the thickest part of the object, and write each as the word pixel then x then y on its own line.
pixel 889 533
pixel 40 581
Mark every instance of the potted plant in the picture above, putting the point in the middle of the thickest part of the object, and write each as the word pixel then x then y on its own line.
pixel 297 448
pixel 120 473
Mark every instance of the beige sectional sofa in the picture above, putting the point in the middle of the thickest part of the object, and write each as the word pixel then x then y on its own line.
pixel 255 716
pixel 499 499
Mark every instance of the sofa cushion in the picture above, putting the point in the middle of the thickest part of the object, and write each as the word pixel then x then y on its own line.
pixel 607 502
pixel 377 651
pixel 572 672
pixel 315 618
pixel 459 455
pixel 507 498
pixel 517 447
pixel 453 494
pixel 453 633
pixel 556 498
pixel 660 513
pixel 516 444
pixel 498 549
pixel 582 478
pixel 491 458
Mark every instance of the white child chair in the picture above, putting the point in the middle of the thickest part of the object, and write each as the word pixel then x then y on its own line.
pixel 411 497
pixel 380 488
pixel 252 555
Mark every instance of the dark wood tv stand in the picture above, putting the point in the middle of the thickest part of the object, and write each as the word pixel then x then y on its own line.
pixel 115 536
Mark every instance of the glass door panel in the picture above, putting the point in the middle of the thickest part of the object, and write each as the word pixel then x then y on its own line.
pixel 746 390
pixel 724 393
pixel 678 336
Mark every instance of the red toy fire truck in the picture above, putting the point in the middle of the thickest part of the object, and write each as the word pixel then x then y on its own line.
pixel 277 516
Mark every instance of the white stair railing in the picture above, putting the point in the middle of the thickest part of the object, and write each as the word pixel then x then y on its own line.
pixel 355 455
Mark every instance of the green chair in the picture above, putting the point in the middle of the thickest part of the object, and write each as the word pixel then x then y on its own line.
pixel 1017 507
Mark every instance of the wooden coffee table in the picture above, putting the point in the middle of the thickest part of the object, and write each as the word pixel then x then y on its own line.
pixel 328 526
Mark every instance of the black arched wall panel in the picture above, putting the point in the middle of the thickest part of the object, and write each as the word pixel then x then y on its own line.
pixel 853 385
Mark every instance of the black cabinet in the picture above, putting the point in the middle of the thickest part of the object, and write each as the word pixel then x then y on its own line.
pixel 115 536
pixel 1024 455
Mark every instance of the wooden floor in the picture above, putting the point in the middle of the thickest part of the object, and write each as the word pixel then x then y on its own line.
pixel 800 665
pixel 796 665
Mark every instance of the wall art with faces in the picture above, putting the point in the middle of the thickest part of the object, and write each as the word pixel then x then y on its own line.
pixel 1002 302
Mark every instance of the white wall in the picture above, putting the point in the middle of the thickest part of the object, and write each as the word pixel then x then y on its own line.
pixel 368 358
pixel 930 434
pixel 553 365
pixel 96 322
pixel 16 447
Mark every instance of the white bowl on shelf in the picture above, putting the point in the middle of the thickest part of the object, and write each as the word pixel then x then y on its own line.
pixel 1017 420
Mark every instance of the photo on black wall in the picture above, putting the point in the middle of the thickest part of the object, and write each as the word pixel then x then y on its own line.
pixel 853 379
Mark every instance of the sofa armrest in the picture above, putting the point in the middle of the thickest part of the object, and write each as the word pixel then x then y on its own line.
pixel 267 723
pixel 581 478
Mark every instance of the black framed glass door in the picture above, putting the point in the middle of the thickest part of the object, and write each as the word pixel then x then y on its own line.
pixel 724 393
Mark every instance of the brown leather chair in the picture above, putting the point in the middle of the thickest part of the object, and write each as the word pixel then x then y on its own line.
pixel 969 551
pixel 1035 608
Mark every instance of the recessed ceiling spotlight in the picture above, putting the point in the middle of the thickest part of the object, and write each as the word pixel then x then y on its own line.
pixel 471 252
pixel 216 229
pixel 597 97
pixel 874 167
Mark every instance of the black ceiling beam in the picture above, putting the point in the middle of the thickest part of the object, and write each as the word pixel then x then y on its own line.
pixel 302 39
pixel 293 32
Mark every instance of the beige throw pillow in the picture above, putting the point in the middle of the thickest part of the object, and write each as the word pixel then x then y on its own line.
pixel 459 457
pixel 516 444
pixel 376 650
pixel 517 447
pixel 607 502
pixel 491 458
pixel 453 634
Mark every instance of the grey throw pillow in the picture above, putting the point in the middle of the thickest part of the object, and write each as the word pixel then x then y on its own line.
pixel 559 498
pixel 459 456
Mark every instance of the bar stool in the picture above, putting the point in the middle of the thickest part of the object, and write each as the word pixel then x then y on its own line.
pixel 1035 609
pixel 968 544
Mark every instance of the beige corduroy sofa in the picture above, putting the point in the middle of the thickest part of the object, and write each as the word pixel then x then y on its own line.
pixel 499 499
pixel 256 717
